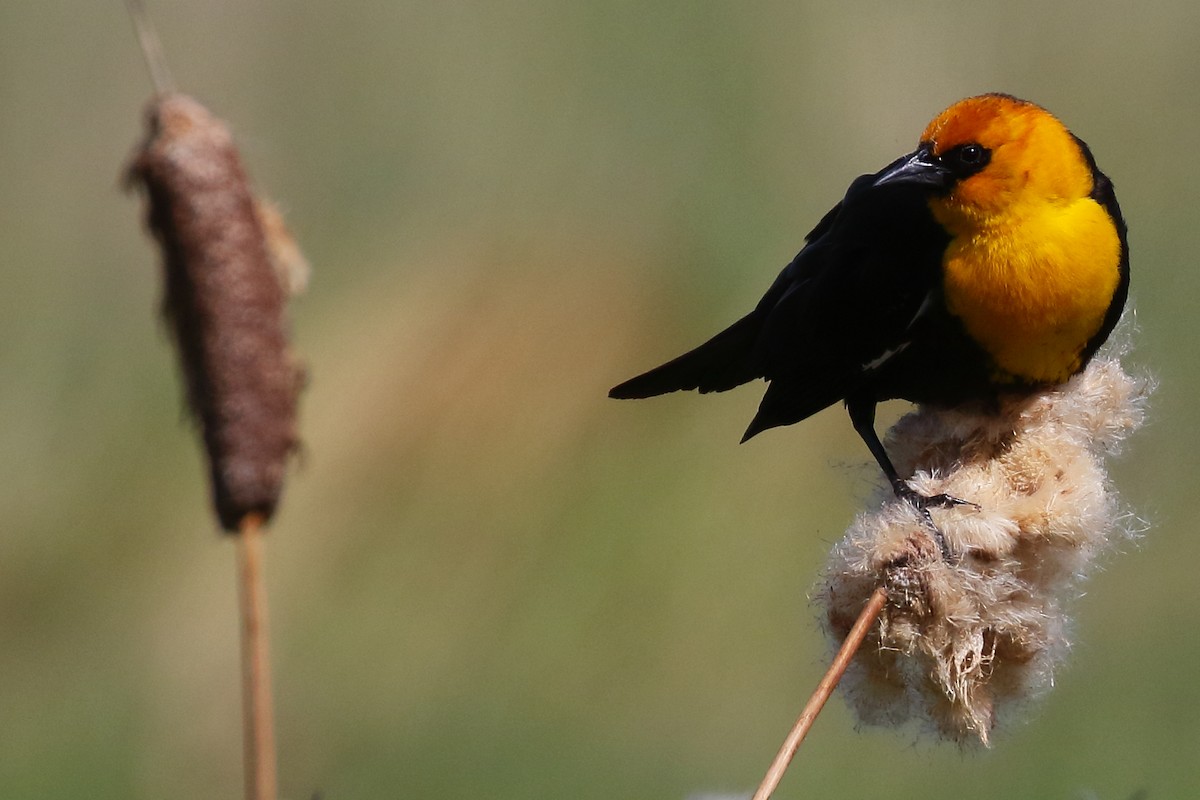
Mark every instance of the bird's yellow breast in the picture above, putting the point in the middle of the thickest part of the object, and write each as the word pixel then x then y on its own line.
pixel 1034 290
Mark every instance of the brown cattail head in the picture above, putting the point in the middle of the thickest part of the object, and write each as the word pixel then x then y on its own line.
pixel 224 302
pixel 960 643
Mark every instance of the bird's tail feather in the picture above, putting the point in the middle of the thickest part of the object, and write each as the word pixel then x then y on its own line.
pixel 721 363
pixel 789 401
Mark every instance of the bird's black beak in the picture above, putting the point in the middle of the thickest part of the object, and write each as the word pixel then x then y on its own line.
pixel 920 167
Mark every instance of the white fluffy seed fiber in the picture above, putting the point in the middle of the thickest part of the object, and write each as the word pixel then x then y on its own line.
pixel 958 644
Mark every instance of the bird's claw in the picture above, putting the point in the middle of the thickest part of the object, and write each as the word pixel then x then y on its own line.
pixel 922 503
pixel 944 501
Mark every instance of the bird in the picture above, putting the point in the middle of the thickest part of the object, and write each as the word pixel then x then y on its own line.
pixel 991 261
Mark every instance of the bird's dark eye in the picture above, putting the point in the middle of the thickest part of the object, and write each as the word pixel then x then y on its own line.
pixel 965 160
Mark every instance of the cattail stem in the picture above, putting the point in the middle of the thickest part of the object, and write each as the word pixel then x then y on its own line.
pixel 258 725
pixel 824 689
pixel 147 37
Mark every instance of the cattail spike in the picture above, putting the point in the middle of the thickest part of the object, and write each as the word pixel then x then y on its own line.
pixel 961 644
pixel 224 302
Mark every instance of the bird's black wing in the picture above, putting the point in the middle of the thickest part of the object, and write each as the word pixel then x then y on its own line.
pixel 729 358
pixel 845 301
pixel 864 286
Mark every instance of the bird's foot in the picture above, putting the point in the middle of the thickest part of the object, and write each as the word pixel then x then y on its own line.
pixel 922 503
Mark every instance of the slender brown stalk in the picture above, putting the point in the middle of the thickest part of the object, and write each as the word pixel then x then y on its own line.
pixel 824 689
pixel 258 726
pixel 151 48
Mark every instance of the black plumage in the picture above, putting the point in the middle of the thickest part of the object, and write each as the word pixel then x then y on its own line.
pixel 856 316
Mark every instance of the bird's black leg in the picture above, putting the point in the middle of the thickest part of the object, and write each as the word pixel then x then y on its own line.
pixel 862 416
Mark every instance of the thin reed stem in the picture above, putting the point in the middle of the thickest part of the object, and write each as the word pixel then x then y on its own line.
pixel 147 37
pixel 824 689
pixel 258 726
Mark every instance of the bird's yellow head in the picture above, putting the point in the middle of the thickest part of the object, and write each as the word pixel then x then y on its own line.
pixel 1010 157
pixel 995 159
pixel 1034 261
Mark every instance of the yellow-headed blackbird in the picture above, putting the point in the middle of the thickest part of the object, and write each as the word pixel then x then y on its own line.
pixel 992 259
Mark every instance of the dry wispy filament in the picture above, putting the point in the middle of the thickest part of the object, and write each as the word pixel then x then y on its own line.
pixel 224 299
pixel 960 643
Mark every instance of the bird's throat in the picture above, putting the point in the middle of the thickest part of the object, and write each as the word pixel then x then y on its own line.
pixel 1034 291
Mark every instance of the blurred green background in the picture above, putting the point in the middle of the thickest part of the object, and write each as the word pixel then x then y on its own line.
pixel 486 579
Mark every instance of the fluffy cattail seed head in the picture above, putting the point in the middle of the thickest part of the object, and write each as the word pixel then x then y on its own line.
pixel 961 642
pixel 224 302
